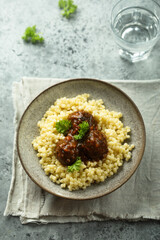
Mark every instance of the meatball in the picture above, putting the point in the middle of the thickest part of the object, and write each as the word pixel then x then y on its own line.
pixel 95 145
pixel 66 150
pixel 78 117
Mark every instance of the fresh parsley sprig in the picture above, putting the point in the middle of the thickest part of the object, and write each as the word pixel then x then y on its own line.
pixel 30 35
pixel 75 166
pixel 63 126
pixel 84 127
pixel 68 7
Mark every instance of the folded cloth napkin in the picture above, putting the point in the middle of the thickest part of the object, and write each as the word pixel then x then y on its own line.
pixel 138 199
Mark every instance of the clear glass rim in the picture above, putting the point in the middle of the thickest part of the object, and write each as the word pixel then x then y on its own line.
pixel 134 44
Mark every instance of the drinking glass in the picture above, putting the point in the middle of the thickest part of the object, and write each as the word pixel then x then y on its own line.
pixel 136 27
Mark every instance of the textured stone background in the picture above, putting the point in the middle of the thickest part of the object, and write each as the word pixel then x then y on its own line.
pixel 80 47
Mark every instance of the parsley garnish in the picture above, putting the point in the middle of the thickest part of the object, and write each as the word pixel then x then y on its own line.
pixel 63 125
pixel 75 166
pixel 30 35
pixel 68 7
pixel 84 127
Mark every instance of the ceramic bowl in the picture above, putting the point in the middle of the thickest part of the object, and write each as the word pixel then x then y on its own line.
pixel 114 100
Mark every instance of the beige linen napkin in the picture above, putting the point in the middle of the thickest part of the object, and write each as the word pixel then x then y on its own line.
pixel 138 199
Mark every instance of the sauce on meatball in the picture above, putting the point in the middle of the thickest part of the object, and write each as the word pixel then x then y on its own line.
pixel 92 147
pixel 79 116
pixel 66 150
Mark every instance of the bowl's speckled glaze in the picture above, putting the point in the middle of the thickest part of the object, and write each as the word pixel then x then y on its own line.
pixel 114 100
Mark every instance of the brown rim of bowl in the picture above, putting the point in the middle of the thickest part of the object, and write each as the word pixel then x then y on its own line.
pixel 139 157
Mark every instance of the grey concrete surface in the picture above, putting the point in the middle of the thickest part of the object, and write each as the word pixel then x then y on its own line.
pixel 80 47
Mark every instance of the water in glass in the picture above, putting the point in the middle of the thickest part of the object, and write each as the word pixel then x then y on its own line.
pixel 136 31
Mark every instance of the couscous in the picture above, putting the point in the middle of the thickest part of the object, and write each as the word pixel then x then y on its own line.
pixel 110 125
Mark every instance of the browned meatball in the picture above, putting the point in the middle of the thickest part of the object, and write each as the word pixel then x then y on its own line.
pixel 78 117
pixel 95 145
pixel 66 150
pixel 92 146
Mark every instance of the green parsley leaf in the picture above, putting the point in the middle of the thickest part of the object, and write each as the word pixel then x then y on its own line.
pixel 62 4
pixel 30 35
pixel 63 126
pixel 84 127
pixel 75 166
pixel 68 7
